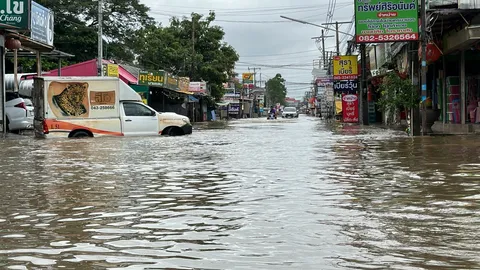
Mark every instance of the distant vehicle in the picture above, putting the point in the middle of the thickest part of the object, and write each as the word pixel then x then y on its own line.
pixel 77 107
pixel 290 112
pixel 19 112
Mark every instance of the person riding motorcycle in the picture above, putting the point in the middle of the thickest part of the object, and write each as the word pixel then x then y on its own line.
pixel 273 113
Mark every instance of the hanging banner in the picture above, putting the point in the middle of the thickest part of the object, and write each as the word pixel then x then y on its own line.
pixel 386 21
pixel 345 67
pixel 350 108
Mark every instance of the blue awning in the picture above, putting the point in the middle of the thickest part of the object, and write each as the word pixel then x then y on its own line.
pixel 192 99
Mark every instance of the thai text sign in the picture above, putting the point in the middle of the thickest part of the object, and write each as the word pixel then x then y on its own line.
pixel 41 24
pixel 156 78
pixel 350 108
pixel 112 70
pixel 198 87
pixel 345 67
pixel 247 78
pixel 386 20
pixel 345 86
pixel 15 14
pixel 324 84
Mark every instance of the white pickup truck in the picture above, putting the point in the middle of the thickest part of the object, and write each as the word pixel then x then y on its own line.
pixel 97 106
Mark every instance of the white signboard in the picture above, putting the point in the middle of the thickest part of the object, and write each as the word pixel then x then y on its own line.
pixel 42 24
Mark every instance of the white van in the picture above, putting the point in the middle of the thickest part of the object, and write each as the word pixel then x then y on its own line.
pixel 97 106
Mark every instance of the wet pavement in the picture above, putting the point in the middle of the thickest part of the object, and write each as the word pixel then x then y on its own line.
pixel 286 194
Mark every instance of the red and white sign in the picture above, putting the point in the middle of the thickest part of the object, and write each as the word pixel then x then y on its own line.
pixel 350 108
pixel 198 87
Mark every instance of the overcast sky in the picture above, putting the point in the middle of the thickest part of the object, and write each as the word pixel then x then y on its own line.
pixel 263 39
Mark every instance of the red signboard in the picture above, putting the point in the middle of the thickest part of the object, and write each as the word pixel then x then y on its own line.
pixel 350 108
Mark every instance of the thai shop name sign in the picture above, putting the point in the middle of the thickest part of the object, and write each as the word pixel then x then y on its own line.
pixel 345 86
pixel 386 20
pixel 15 14
pixel 345 67
pixel 152 78
pixel 42 24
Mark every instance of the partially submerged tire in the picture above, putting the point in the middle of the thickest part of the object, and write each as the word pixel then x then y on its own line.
pixel 80 134
pixel 175 131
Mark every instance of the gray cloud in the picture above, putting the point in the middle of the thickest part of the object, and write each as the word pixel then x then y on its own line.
pixel 267 41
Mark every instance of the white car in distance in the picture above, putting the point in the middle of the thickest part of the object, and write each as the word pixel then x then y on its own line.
pixel 19 112
pixel 290 112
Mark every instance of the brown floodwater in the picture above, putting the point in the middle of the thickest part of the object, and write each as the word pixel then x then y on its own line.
pixel 285 194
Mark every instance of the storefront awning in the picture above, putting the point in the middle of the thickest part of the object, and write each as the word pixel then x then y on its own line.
pixel 225 103
pixel 192 99
pixel 29 43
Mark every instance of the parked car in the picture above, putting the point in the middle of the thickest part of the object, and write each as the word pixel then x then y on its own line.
pixel 19 112
pixel 290 112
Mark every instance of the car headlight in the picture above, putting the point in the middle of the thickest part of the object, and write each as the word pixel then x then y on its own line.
pixel 186 120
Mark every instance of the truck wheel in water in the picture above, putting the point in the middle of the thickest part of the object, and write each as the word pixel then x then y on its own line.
pixel 175 131
pixel 79 134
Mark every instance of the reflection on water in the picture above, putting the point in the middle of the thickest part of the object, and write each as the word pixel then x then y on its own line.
pixel 296 194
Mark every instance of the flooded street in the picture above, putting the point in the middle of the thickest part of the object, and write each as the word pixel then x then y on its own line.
pixel 296 194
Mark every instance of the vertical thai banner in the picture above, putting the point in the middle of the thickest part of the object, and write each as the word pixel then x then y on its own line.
pixel 350 108
pixel 386 20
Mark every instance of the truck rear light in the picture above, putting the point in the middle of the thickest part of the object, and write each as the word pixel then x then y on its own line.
pixel 45 127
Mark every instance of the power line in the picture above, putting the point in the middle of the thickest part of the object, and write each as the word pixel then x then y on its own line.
pixel 289 7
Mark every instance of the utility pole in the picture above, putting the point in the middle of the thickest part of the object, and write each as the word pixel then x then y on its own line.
pixel 322 37
pixel 337 33
pixel 363 85
pixel 424 64
pixel 100 38
pixel 193 47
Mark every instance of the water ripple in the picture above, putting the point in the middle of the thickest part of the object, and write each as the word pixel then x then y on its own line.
pixel 296 194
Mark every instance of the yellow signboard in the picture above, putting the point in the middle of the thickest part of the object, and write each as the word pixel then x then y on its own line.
pixel 247 77
pixel 112 70
pixel 345 67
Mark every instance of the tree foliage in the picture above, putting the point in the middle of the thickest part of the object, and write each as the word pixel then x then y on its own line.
pixel 192 47
pixel 76 25
pixel 276 90
pixel 397 93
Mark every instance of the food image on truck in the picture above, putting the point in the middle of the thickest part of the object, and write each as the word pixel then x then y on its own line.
pixel 68 99
pixel 83 100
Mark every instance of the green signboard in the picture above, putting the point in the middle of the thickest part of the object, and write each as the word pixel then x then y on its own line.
pixel 386 20
pixel 15 14
pixel 154 78
pixel 171 82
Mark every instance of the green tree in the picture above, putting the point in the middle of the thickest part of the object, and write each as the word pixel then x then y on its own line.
pixel 190 47
pixel 276 90
pixel 76 23
pixel 397 94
